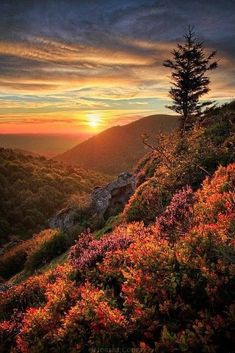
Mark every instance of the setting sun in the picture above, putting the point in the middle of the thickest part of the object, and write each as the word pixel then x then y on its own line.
pixel 93 120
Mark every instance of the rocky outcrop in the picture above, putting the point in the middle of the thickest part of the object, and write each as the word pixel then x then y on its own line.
pixel 64 219
pixel 110 199
pixel 106 201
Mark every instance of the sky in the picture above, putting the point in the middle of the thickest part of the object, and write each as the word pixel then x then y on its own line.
pixel 71 66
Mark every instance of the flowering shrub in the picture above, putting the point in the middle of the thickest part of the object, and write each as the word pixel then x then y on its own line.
pixel 39 325
pixel 211 204
pixel 177 217
pixel 168 287
pixel 29 293
pixel 93 321
pixel 88 250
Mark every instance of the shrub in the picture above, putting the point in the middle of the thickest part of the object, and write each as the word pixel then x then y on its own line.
pixel 147 203
pixel 12 262
pixel 55 245
pixel 139 289
pixel 88 250
pixel 29 293
pixel 177 217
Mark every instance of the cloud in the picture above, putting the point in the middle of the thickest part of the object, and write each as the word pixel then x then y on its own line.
pixel 76 56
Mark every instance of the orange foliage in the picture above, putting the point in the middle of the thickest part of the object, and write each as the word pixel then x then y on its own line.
pixel 157 293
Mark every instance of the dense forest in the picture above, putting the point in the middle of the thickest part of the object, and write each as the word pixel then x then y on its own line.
pixel 161 280
pixel 33 188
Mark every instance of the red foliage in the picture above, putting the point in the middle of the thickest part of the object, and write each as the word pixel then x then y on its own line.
pixel 168 287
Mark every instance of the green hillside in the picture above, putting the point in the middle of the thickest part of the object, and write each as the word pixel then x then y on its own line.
pixel 32 189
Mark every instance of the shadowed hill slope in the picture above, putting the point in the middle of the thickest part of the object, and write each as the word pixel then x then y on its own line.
pixel 32 189
pixel 118 148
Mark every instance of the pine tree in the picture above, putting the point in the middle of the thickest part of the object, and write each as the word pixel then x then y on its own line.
pixel 189 66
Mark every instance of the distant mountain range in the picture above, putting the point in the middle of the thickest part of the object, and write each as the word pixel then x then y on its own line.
pixel 117 149
pixel 48 145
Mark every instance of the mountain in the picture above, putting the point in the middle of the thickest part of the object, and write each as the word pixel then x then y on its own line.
pixel 33 188
pixel 164 284
pixel 118 149
pixel 44 144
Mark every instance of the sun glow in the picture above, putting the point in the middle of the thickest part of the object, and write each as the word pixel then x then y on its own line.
pixel 93 120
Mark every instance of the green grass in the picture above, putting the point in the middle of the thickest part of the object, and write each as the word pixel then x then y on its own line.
pixel 108 227
pixel 23 275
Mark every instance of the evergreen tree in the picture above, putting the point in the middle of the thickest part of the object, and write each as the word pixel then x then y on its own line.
pixel 189 66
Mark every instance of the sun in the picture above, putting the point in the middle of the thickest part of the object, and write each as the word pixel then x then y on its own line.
pixel 94 120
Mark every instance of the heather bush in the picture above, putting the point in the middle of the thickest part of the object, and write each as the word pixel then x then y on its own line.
pixel 93 322
pixel 167 287
pixel 89 323
pixel 177 217
pixel 88 250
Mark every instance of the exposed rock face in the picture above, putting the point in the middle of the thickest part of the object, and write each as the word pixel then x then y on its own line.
pixel 105 202
pixel 110 199
pixel 64 219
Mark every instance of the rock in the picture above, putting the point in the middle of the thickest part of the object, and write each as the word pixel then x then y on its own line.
pixel 64 219
pixel 111 199
pixel 106 201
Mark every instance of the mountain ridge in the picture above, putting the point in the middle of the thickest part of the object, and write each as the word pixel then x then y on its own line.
pixel 119 147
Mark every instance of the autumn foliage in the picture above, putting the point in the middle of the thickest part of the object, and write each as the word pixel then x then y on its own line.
pixel 166 287
pixel 175 162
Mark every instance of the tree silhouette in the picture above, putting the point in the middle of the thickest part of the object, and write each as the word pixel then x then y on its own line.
pixel 189 66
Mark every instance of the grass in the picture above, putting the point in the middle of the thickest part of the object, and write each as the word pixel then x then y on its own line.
pixel 108 227
pixel 23 275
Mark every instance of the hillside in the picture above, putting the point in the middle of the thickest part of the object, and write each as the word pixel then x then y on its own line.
pixel 164 283
pixel 32 189
pixel 118 148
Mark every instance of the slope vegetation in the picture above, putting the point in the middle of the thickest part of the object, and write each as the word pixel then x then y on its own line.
pixel 32 189
pixel 162 280
pixel 164 288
